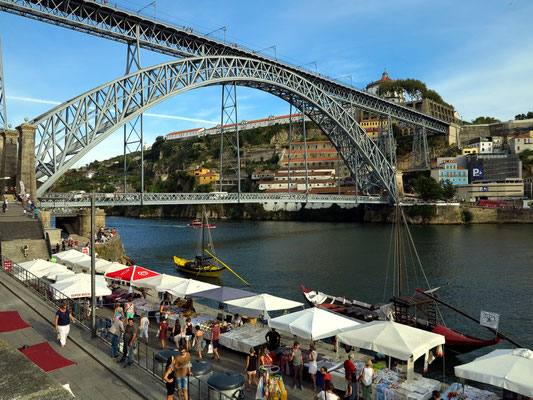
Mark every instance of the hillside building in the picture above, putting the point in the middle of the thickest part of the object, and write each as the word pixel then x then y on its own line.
pixel 493 167
pixel 205 176
pixel 520 143
pixel 450 172
pixel 434 109
pixel 483 145
pixel 508 189
pixel 372 88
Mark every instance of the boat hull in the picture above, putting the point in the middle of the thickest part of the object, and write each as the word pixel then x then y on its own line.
pixel 189 267
pixel 456 342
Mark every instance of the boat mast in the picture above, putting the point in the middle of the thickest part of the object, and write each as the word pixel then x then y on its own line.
pixel 203 235
pixel 399 249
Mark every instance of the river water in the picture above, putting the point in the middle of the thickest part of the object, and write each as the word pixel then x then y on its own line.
pixel 487 267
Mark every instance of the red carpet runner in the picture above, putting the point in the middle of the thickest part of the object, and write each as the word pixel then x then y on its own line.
pixel 11 321
pixel 45 357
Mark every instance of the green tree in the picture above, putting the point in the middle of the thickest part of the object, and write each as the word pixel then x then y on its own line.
pixel 448 190
pixel 427 188
pixel 524 116
pixel 415 89
pixel 485 120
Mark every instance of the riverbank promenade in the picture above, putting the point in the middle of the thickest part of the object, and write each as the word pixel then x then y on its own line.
pixel 94 376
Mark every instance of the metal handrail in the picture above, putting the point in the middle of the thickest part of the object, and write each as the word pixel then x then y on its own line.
pixel 144 356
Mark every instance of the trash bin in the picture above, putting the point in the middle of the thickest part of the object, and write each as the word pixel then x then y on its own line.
pixel 226 385
pixel 162 357
pixel 201 372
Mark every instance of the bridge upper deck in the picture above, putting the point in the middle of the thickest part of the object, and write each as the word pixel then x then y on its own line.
pixel 124 26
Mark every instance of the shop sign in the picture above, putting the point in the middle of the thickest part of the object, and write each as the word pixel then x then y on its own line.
pixel 85 250
pixel 483 188
pixel 7 266
pixel 477 172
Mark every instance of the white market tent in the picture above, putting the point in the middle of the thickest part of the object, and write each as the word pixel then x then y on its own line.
pixel 67 255
pixel 313 323
pixel 112 267
pixel 79 285
pixel 511 369
pixel 163 281
pixel 392 339
pixel 44 269
pixel 74 261
pixel 261 303
pixel 99 264
pixel 187 287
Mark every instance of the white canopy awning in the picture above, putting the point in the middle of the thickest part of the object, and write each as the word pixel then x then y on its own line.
pixel 99 264
pixel 160 282
pixel 79 285
pixel 263 303
pixel 511 369
pixel 67 255
pixel 189 286
pixel 75 261
pixel 114 266
pixel 392 339
pixel 313 323
pixel 44 269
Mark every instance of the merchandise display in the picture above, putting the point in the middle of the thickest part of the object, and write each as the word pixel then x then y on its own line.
pixel 458 391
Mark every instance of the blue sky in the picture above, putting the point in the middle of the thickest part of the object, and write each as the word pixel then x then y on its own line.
pixel 477 54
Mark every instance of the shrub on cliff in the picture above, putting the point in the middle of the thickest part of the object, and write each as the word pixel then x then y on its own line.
pixel 467 216
pixel 426 211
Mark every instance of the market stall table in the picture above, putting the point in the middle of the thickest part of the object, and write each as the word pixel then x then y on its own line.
pixel 458 391
pixel 242 338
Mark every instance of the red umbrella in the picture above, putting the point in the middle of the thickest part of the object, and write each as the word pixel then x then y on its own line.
pixel 131 274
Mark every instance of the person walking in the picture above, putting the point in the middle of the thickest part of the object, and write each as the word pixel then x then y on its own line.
pixel 313 366
pixel 215 340
pixel 35 213
pixel 296 360
pixel 130 334
pixel 130 309
pixel 366 375
pixel 143 327
pixel 188 333
pixel 198 340
pixel 182 370
pixel 251 368
pixel 163 328
pixel 63 319
pixel 116 331
pixel 4 206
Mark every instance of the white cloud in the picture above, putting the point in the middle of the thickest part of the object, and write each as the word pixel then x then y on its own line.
pixel 177 117
pixel 32 100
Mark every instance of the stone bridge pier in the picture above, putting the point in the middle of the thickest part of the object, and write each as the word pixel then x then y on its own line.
pixel 80 224
pixel 17 160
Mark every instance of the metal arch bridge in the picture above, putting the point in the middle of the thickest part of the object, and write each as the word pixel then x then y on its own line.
pixel 65 202
pixel 123 26
pixel 70 130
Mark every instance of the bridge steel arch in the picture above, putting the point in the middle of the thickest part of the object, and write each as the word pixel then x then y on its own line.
pixel 67 132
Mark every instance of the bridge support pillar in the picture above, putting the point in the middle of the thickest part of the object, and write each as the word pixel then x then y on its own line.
pixel 81 223
pixel 399 185
pixel 26 161
pixel 45 218
pixel 8 162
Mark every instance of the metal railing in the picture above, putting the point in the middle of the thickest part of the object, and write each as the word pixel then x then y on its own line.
pixel 71 200
pixel 143 356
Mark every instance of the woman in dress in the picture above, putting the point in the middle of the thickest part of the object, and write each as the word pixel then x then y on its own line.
pixel 198 340
pixel 264 357
pixel 163 327
pixel 251 368
pixel 188 331
pixel 170 382
pixel 313 366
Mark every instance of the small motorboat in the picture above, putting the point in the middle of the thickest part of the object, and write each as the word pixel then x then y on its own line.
pixel 196 223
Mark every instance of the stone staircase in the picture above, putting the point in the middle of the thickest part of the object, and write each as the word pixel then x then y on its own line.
pixel 16 230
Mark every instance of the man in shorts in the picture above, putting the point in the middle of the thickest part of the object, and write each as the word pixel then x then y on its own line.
pixel 215 339
pixel 182 370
